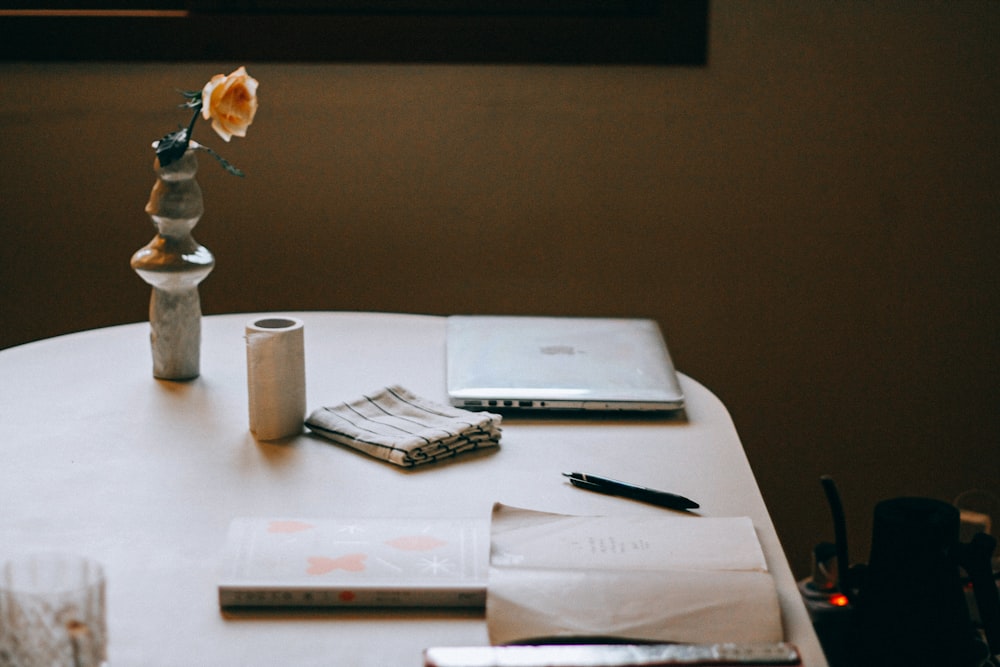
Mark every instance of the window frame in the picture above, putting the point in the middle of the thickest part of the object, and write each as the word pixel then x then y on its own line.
pixel 652 32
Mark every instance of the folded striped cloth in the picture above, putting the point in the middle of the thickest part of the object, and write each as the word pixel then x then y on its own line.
pixel 395 425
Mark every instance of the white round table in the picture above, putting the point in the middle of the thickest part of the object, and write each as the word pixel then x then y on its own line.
pixel 145 475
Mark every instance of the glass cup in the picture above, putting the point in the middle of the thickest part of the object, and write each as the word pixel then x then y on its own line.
pixel 52 612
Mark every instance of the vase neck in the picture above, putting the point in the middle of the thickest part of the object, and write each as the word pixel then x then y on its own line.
pixel 175 203
pixel 174 228
pixel 181 169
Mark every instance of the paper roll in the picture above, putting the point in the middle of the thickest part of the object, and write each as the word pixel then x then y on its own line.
pixel 276 377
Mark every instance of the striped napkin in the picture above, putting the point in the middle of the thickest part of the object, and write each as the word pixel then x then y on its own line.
pixel 402 428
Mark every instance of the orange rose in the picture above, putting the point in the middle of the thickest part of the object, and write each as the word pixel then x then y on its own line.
pixel 230 102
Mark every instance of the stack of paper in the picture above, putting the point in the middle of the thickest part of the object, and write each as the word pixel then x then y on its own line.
pixel 650 578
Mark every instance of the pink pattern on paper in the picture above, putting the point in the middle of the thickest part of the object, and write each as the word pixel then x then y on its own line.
pixel 288 526
pixel 324 565
pixel 416 543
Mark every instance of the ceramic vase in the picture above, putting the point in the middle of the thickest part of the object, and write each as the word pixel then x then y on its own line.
pixel 173 263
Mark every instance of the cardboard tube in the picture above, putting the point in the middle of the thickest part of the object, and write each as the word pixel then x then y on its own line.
pixel 276 377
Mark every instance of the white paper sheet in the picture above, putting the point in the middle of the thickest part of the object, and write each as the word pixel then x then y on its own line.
pixel 673 579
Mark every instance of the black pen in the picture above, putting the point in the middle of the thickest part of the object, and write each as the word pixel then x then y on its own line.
pixel 616 488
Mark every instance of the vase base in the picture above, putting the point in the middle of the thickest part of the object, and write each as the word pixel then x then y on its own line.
pixel 185 378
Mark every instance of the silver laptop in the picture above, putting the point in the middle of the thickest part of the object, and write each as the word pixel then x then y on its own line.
pixel 559 363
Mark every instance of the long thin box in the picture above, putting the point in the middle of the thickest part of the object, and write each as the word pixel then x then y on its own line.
pixel 613 655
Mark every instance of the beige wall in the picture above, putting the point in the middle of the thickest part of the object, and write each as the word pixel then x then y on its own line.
pixel 814 219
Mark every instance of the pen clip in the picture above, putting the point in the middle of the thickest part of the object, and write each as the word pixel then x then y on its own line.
pixel 584 484
pixel 580 482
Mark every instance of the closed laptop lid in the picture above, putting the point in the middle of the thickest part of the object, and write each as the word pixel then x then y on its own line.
pixel 544 363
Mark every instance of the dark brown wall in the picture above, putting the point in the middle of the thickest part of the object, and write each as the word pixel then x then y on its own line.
pixel 814 218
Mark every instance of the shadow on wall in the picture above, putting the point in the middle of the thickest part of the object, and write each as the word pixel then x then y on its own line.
pixel 817 234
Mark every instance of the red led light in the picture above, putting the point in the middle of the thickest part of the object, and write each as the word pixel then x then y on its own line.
pixel 838 600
